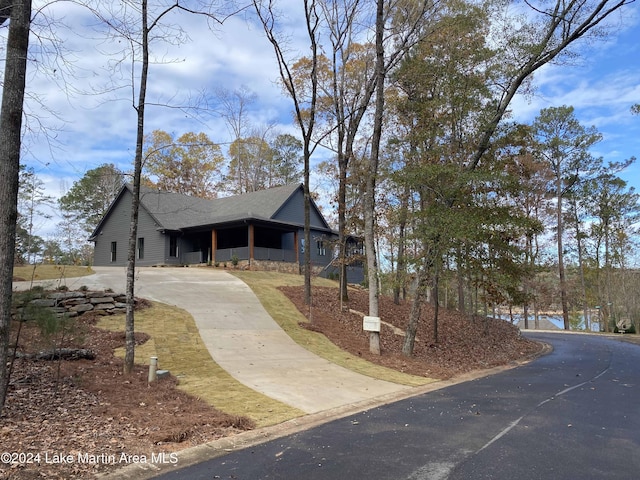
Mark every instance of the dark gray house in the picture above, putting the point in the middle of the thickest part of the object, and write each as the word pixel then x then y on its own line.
pixel 261 229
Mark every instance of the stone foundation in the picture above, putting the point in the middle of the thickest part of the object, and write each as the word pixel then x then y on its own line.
pixel 271 266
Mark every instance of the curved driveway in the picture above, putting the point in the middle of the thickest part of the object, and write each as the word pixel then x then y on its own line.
pixel 244 340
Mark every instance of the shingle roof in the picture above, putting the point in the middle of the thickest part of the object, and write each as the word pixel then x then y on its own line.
pixel 174 211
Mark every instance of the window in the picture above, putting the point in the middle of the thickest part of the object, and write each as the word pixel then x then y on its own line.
pixel 140 248
pixel 173 246
pixel 322 249
pixel 114 248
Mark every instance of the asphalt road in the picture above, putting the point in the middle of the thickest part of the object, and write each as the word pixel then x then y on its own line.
pixel 572 414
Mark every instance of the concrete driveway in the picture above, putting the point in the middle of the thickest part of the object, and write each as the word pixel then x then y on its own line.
pixel 244 340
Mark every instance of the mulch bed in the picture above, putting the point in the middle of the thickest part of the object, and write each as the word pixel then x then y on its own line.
pixel 464 343
pixel 79 409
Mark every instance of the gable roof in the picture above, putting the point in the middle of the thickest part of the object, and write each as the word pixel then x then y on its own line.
pixel 175 211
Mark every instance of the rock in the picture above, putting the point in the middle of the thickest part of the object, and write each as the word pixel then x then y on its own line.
pixel 75 301
pixel 104 306
pixel 83 307
pixel 43 302
pixel 65 295
pixel 99 300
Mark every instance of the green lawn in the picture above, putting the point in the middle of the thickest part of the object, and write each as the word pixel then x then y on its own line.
pixel 176 342
pixel 49 272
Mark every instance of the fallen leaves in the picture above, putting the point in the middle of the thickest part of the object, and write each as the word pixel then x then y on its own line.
pixel 90 410
pixel 464 344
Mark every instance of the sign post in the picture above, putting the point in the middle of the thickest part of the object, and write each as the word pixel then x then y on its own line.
pixel 372 325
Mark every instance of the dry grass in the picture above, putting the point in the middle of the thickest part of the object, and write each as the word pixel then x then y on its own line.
pixel 176 342
pixel 49 272
pixel 284 312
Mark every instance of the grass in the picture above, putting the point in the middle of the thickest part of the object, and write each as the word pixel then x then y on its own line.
pixel 265 286
pixel 50 272
pixel 176 342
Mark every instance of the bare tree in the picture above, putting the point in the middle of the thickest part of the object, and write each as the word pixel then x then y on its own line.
pixel 372 174
pixel 304 101
pixel 10 125
pixel 232 107
pixel 134 22
pixel 32 203
pixel 398 27
pixel 349 88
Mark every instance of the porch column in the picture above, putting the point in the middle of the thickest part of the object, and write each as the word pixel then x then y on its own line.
pixel 214 242
pixel 296 246
pixel 251 239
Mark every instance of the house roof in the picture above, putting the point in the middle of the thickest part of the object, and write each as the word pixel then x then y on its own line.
pixel 174 211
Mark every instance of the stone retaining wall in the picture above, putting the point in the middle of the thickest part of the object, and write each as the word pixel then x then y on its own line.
pixel 273 266
pixel 77 303
pixel 282 267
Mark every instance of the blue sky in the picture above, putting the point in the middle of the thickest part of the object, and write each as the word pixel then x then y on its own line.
pixel 601 86
pixel 92 127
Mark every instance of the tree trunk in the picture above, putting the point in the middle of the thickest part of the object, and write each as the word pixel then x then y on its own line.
pixel 436 299
pixel 583 283
pixel 307 232
pixel 414 316
pixel 342 220
pixel 15 70
pixel 561 272
pixel 60 354
pixel 130 342
pixel 607 265
pixel 401 269
pixel 372 171
pixel 525 286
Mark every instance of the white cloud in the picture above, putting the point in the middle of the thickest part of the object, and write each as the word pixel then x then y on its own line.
pixel 101 128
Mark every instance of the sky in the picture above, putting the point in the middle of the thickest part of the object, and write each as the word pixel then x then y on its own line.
pixel 78 117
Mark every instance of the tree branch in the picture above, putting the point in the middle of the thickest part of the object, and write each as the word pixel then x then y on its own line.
pixel 5 10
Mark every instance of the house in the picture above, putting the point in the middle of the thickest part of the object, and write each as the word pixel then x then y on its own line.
pixel 261 230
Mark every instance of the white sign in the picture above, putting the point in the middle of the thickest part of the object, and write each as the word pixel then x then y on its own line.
pixel 371 324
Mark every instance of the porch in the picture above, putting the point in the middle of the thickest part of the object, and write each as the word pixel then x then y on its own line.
pixel 259 253
pixel 247 242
